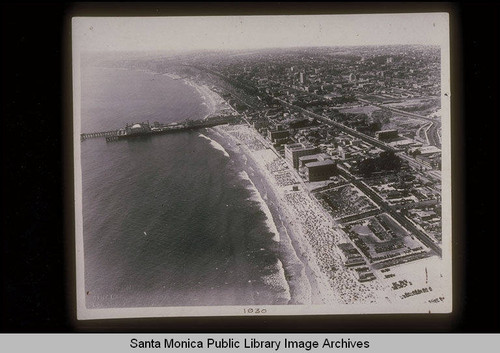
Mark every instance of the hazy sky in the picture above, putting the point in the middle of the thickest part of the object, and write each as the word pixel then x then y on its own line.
pixel 249 32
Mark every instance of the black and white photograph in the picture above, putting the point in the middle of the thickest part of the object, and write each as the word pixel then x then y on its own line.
pixel 262 165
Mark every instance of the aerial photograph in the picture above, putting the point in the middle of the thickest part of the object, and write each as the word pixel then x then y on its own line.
pixel 262 165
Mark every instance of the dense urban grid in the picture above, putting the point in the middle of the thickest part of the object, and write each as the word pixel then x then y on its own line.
pixel 352 138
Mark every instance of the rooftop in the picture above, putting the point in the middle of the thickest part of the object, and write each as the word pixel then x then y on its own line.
pixel 320 163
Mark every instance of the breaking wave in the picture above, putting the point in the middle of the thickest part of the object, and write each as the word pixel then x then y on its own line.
pixel 215 145
pixel 258 198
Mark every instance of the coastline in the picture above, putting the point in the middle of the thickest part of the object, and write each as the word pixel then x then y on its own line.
pixel 309 235
pixel 212 100
pixel 307 283
pixel 313 276
pixel 313 269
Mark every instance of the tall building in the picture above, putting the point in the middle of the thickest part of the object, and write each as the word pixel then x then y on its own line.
pixel 296 150
pixel 313 158
pixel 302 77
pixel 320 170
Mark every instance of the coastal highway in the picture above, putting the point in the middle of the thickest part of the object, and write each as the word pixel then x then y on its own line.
pixel 326 120
pixel 424 238
pixel 322 118
pixel 412 161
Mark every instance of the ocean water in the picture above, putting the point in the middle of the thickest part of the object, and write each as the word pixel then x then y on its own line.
pixel 169 220
pixel 113 97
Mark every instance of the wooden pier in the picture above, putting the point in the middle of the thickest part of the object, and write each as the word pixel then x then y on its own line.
pixel 117 135
pixel 91 135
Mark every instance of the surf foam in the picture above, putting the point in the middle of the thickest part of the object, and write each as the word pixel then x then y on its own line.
pixel 263 205
pixel 215 145
pixel 278 283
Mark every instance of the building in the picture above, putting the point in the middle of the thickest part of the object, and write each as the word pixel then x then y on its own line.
pixel 350 255
pixel 386 134
pixel 302 77
pixel 341 152
pixel 296 150
pixel 137 129
pixel 307 159
pixel 432 161
pixel 429 150
pixel 313 158
pixel 275 135
pixel 321 170
pixel 423 215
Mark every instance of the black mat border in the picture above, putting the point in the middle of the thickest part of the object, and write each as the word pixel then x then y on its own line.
pixel 37 282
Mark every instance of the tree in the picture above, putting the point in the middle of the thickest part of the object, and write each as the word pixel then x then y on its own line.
pixel 387 160
pixel 367 167
pixel 382 116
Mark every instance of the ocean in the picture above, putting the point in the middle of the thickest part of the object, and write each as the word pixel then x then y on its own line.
pixel 169 220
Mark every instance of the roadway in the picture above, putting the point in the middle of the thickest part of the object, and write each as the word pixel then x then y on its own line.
pixel 434 131
pixel 433 135
pixel 342 127
pixel 395 110
pixel 359 216
pixel 412 161
pixel 435 175
pixel 433 138
pixel 424 238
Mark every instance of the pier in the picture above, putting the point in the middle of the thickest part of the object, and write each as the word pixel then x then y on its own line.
pixel 91 135
pixel 145 129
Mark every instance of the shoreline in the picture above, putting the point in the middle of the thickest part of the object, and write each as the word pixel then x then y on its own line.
pixel 212 100
pixel 307 283
pixel 309 259
pixel 312 264
pixel 313 236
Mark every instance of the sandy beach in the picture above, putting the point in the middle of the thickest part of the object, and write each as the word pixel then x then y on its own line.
pixel 312 236
pixel 309 236
pixel 303 285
